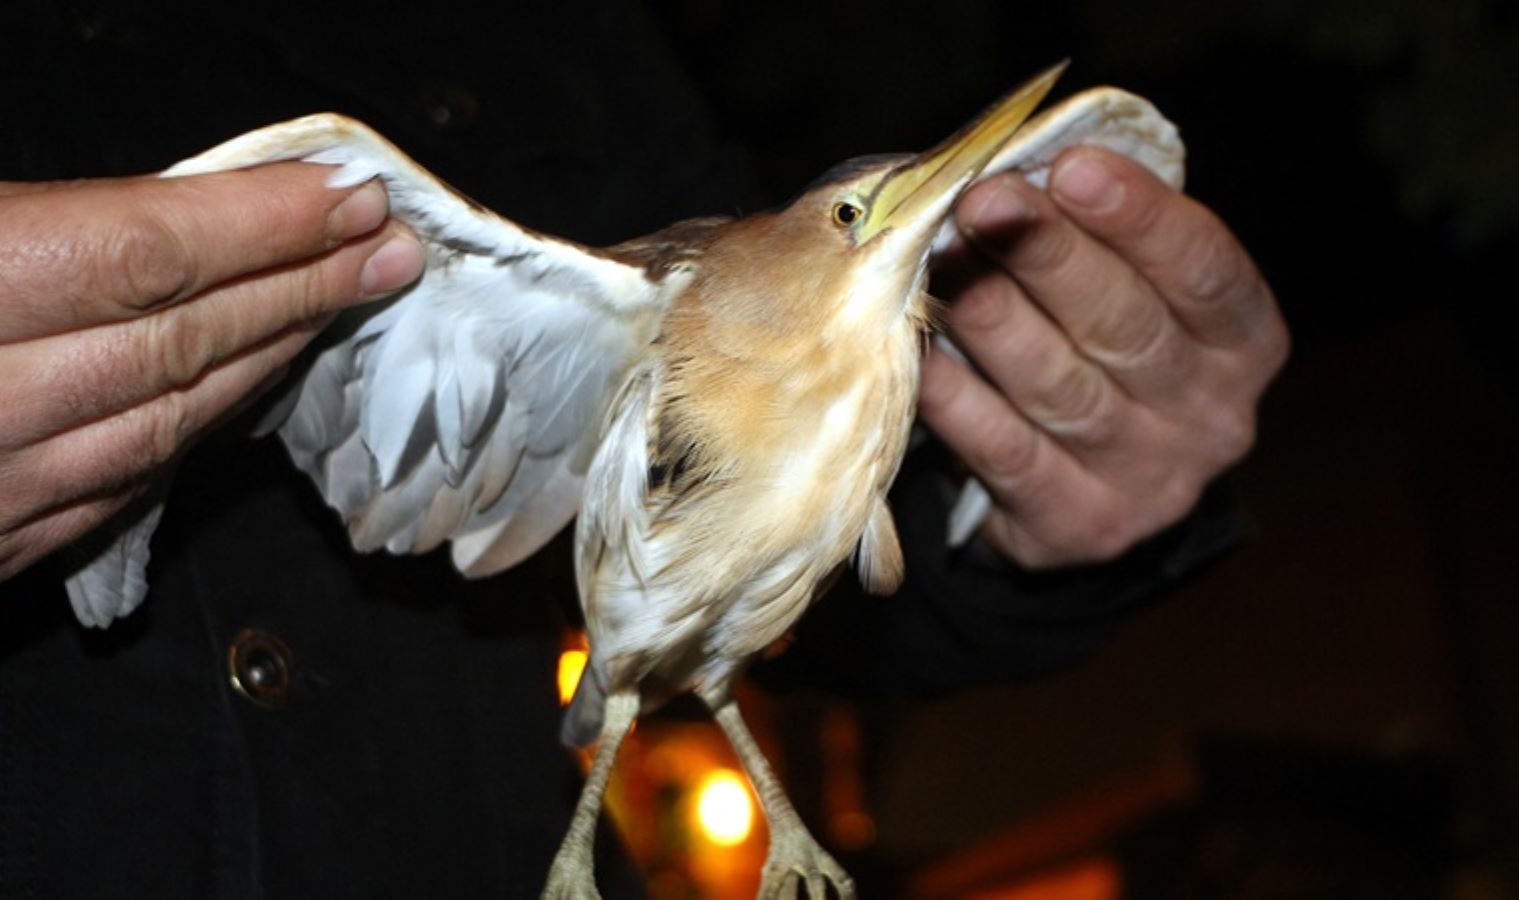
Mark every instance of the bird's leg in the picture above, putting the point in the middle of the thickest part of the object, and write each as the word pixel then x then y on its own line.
pixel 573 875
pixel 795 861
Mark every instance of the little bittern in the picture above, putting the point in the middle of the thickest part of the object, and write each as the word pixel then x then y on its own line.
pixel 724 403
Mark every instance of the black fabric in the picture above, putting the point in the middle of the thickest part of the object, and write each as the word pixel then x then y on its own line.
pixel 966 616
pixel 416 753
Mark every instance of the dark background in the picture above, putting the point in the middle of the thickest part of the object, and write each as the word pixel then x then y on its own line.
pixel 1334 711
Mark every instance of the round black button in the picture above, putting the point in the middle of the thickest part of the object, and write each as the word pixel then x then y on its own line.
pixel 261 667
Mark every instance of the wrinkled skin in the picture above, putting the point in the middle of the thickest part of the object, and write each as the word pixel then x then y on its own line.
pixel 1121 340
pixel 137 313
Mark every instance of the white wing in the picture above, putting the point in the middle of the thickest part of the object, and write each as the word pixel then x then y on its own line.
pixel 1103 117
pixel 465 409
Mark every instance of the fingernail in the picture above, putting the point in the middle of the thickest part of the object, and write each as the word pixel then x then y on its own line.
pixel 998 206
pixel 1086 181
pixel 360 213
pixel 396 264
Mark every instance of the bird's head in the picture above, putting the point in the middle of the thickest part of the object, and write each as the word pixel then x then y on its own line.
pixel 856 243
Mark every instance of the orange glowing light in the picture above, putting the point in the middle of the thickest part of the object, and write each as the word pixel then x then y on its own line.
pixel 724 811
pixel 571 664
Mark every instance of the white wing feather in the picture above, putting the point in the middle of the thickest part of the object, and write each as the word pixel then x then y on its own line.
pixel 114 581
pixel 1105 117
pixel 465 409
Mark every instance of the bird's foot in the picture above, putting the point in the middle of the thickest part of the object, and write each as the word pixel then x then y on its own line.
pixel 798 867
pixel 572 877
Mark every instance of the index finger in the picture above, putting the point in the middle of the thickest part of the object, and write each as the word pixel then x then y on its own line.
pixel 1182 248
pixel 104 251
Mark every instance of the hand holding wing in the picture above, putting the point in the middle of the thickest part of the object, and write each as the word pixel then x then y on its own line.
pixel 464 409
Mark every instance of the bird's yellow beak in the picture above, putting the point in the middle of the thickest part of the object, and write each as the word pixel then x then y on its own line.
pixel 925 186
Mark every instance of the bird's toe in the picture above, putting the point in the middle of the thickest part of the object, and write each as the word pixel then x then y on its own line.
pixel 802 869
pixel 571 878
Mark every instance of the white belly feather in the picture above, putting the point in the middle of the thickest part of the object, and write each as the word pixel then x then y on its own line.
pixel 757 560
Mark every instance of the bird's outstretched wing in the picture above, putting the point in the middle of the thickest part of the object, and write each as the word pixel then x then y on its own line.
pixel 465 409
pixel 1104 117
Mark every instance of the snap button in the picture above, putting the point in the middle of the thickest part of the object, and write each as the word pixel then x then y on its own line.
pixel 261 667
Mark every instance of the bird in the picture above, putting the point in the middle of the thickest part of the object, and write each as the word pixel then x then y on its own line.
pixel 721 406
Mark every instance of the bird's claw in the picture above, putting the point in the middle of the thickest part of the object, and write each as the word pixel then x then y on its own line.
pixel 797 867
pixel 572 877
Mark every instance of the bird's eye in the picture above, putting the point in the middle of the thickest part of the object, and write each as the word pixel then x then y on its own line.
pixel 845 214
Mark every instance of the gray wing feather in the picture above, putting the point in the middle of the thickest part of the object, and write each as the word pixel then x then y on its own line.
pixel 113 579
pixel 465 409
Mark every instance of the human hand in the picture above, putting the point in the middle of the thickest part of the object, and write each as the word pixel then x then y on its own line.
pixel 1121 338
pixel 136 313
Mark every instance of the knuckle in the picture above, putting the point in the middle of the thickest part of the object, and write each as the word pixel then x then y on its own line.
pixel 1232 433
pixel 1276 346
pixel 980 308
pixel 1005 533
pixel 1214 268
pixel 167 427
pixel 303 211
pixel 177 353
pixel 1032 556
pixel 1075 399
pixel 1142 209
pixel 1038 555
pixel 1007 456
pixel 314 289
pixel 1035 553
pixel 1102 535
pixel 148 259
pixel 1046 250
pixel 1129 329
pixel 1173 501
